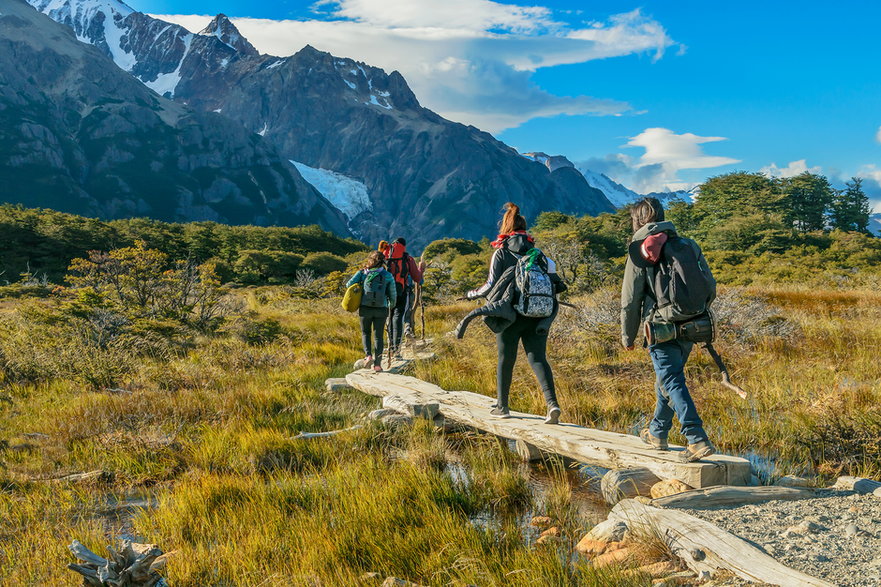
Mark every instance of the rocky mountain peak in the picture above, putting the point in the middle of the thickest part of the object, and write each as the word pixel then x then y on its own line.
pixel 552 162
pixel 223 28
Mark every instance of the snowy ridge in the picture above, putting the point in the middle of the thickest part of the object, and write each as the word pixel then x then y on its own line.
pixel 875 224
pixel 166 83
pixel 615 192
pixel 348 195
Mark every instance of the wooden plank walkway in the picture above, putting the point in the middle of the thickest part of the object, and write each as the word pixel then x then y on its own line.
pixel 596 447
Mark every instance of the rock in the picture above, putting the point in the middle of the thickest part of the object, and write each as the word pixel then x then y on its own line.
pixel 427 411
pixel 802 528
pixel 527 452
pixel 359 364
pixel 390 417
pixel 613 557
pixel 821 558
pixel 625 483
pixel 858 484
pixel 590 547
pixel 553 531
pixel 704 576
pixel 851 530
pixel 371 576
pixel 792 481
pixel 541 521
pixel 608 531
pixel 659 569
pixel 396 582
pixel 337 384
pixel 547 539
pixel 669 487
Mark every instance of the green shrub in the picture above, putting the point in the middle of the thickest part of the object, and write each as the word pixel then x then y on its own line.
pixel 324 263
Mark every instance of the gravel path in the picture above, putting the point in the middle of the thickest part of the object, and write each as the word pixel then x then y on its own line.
pixel 835 536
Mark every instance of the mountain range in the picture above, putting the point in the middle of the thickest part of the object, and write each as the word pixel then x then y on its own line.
pixel 382 164
pixel 80 135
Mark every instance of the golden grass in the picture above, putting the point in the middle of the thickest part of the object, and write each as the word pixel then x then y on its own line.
pixel 207 433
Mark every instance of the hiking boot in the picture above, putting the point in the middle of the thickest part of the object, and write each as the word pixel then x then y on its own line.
pixel 553 416
pixel 653 441
pixel 697 451
pixel 377 368
pixel 500 413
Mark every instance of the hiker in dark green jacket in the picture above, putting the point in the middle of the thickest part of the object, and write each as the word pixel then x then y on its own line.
pixel 638 306
pixel 379 295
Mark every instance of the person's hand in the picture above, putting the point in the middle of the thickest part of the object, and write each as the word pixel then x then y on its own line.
pixel 629 348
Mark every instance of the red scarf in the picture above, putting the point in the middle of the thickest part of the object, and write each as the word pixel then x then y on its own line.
pixel 500 242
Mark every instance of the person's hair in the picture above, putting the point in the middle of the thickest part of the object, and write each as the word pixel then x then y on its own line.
pixel 374 259
pixel 512 220
pixel 400 241
pixel 646 210
pixel 383 245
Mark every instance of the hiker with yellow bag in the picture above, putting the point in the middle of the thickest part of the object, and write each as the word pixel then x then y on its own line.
pixel 372 292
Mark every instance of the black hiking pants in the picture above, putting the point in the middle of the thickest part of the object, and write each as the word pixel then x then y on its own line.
pixel 373 326
pixel 398 314
pixel 524 330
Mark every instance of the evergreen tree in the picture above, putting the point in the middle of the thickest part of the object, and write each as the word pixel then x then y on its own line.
pixel 807 198
pixel 850 208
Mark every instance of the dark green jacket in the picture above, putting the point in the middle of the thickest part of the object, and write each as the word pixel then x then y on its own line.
pixel 637 298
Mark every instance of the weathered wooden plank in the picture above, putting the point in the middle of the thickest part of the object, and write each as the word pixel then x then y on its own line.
pixel 720 496
pixel 587 445
pixel 706 547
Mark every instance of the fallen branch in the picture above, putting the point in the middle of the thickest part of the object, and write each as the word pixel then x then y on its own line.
pixel 306 435
pixel 135 566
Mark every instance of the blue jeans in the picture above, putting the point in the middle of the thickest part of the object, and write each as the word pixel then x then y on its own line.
pixel 669 360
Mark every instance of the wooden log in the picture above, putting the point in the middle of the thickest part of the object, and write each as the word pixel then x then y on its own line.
pixel 706 547
pixel 597 447
pixel 858 484
pixel 623 483
pixel 722 496
pixel 307 435
pixel 134 566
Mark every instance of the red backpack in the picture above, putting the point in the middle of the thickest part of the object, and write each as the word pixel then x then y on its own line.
pixel 399 263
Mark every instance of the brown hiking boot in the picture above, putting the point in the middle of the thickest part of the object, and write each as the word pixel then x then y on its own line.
pixel 697 451
pixel 653 441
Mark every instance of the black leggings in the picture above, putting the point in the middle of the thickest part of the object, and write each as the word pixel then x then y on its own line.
pixel 524 330
pixel 373 323
pixel 398 318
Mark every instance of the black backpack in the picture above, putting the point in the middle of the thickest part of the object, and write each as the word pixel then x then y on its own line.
pixel 682 287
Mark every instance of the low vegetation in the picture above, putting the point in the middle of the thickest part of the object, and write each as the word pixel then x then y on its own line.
pixel 138 356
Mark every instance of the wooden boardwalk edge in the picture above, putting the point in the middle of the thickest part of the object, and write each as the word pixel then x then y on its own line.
pixel 586 445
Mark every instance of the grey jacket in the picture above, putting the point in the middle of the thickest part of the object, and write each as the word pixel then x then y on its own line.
pixel 637 298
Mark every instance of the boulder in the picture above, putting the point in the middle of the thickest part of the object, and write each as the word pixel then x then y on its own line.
pixel 337 384
pixel 626 483
pixel 428 411
pixel 613 557
pixel 541 522
pixel 669 487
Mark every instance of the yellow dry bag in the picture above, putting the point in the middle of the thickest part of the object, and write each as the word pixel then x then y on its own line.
pixel 352 299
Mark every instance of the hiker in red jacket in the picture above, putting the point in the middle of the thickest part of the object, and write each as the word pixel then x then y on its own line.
pixel 404 268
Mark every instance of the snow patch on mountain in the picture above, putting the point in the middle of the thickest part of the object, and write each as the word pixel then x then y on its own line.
pixel 615 192
pixel 349 195
pixel 875 224
pixel 166 83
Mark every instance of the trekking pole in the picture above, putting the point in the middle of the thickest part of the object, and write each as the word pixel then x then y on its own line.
pixel 567 304
pixel 726 379
pixel 391 313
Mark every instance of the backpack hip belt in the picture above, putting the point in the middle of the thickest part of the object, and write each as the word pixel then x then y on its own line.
pixel 701 329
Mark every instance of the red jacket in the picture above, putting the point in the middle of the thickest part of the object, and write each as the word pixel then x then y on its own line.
pixel 400 251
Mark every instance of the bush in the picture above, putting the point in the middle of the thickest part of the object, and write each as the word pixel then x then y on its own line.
pixel 324 263
pixel 448 249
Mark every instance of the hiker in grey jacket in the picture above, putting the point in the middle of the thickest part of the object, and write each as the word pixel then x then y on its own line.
pixel 638 306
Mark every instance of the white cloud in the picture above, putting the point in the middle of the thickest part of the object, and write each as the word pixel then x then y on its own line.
pixel 794 168
pixel 871 175
pixel 657 169
pixel 469 60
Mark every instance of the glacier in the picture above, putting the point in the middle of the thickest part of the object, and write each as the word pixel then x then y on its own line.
pixel 348 195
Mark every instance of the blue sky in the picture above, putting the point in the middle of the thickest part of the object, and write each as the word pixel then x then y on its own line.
pixel 660 97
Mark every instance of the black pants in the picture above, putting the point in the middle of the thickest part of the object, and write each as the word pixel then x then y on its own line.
pixel 398 314
pixel 373 326
pixel 524 330
pixel 411 307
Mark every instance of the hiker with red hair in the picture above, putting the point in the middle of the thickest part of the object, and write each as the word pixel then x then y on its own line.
pixel 521 305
